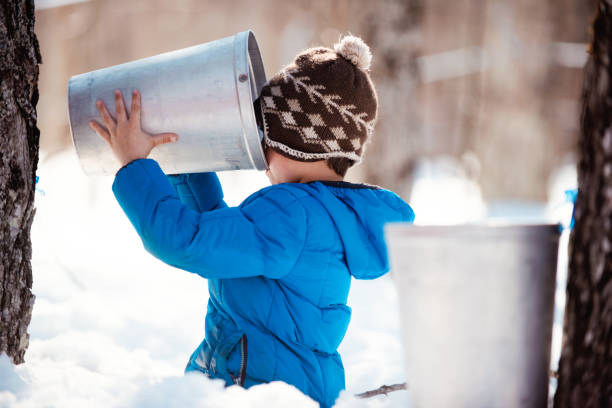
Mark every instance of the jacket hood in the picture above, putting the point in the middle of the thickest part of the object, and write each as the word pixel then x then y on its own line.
pixel 359 212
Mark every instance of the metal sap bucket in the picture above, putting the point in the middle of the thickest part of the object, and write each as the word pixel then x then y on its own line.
pixel 203 93
pixel 476 307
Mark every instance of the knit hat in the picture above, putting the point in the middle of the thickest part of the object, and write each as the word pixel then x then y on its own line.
pixel 322 105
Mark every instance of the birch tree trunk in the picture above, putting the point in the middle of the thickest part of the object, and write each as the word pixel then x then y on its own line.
pixel 19 59
pixel 585 369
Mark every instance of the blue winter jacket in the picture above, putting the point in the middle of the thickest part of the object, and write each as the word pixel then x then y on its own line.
pixel 279 267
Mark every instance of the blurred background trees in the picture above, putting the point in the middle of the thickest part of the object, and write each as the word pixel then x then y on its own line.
pixel 490 85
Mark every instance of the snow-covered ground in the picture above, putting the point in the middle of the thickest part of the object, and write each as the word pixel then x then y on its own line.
pixel 113 327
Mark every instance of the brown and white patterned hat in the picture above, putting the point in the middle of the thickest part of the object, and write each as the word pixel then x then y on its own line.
pixel 322 105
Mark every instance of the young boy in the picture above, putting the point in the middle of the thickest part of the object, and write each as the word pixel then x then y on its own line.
pixel 279 266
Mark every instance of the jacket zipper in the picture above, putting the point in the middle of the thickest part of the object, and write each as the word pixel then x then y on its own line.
pixel 243 362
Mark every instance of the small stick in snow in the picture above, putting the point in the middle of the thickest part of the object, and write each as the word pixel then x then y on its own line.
pixel 385 389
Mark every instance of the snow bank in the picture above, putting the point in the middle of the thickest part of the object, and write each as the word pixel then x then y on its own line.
pixel 444 193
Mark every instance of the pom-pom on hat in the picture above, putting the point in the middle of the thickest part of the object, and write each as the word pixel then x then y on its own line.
pixel 355 50
pixel 322 105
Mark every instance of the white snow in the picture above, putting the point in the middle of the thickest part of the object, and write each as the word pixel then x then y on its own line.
pixel 443 193
pixel 112 326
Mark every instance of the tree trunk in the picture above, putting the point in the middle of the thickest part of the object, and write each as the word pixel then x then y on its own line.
pixel 392 29
pixel 19 59
pixel 585 369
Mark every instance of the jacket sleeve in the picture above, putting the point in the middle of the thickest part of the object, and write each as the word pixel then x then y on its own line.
pixel 198 191
pixel 264 236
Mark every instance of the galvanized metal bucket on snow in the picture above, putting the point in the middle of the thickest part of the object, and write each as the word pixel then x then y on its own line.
pixel 203 93
pixel 476 304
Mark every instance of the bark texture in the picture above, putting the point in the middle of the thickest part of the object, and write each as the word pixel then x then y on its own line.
pixel 19 59
pixel 585 369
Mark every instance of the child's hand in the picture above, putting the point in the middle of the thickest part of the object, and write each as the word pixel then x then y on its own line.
pixel 124 135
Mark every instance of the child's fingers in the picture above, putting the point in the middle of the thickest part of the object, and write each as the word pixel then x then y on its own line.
pixel 106 116
pixel 135 109
pixel 120 106
pixel 99 129
pixel 164 138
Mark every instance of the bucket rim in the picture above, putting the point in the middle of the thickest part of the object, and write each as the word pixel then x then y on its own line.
pixel 248 61
pixel 487 228
pixel 73 138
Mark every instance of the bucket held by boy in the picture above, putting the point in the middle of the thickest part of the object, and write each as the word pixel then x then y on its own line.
pixel 203 93
pixel 476 304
